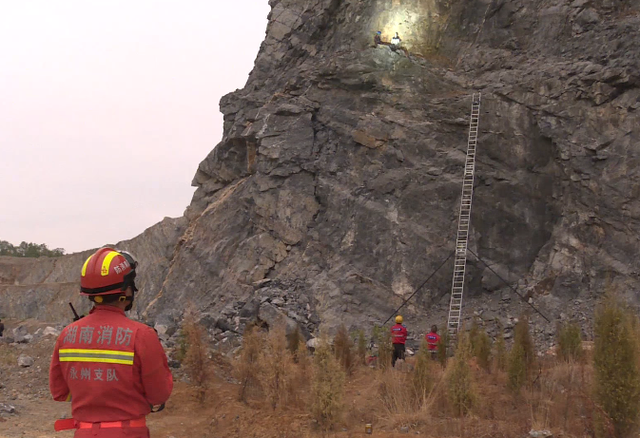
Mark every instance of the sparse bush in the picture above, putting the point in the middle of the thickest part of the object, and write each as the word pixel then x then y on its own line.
pixel 382 337
pixel 517 368
pixel 617 377
pixel 300 377
pixel 443 345
pixel 460 391
pixel 482 350
pixel 473 334
pixel 521 357
pixel 293 340
pixel 181 351
pixel 247 369
pixel 303 359
pixel 327 387
pixel 276 368
pixel 501 350
pixel 362 348
pixel 522 337
pixel 342 349
pixel 421 380
pixel 195 356
pixel 569 342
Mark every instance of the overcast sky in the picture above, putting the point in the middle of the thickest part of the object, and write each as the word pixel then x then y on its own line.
pixel 108 106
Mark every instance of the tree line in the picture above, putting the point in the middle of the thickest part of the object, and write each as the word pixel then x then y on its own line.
pixel 28 249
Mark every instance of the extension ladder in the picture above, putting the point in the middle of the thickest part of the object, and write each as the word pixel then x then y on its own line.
pixel 464 219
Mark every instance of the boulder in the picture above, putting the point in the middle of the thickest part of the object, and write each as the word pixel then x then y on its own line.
pixel 25 361
pixel 273 317
pixel 51 331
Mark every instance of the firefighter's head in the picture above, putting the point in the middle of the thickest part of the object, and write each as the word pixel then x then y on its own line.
pixel 399 319
pixel 108 277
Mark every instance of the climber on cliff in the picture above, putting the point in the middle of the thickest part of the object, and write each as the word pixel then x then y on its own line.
pixel 377 39
pixel 433 338
pixel 395 42
pixel 112 369
pixel 398 338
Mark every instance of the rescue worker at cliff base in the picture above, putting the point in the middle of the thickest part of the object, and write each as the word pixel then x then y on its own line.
pixel 433 338
pixel 112 369
pixel 399 338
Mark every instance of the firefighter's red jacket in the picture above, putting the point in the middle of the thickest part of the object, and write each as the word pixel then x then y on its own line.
pixel 110 367
pixel 432 341
pixel 398 334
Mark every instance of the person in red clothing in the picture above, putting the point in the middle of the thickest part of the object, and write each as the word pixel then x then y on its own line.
pixel 112 369
pixel 433 338
pixel 399 338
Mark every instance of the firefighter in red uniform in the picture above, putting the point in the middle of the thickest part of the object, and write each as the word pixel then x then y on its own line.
pixel 399 338
pixel 112 369
pixel 433 338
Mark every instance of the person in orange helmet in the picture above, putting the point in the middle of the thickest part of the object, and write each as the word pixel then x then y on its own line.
pixel 398 338
pixel 112 369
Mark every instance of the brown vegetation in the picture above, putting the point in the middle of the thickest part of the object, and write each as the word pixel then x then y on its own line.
pixel 314 395
pixel 195 360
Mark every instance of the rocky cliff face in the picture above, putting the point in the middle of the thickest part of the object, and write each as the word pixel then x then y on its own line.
pixel 335 189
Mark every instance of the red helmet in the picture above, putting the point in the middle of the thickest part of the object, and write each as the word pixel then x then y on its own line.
pixel 108 271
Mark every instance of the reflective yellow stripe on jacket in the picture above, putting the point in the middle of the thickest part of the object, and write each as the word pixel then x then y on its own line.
pixel 102 356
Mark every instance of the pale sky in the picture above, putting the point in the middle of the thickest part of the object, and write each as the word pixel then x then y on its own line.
pixel 108 106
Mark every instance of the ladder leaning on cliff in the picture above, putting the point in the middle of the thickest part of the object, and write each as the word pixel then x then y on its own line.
pixel 464 220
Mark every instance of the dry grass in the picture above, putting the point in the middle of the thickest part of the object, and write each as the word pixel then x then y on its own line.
pixel 268 372
pixel 320 398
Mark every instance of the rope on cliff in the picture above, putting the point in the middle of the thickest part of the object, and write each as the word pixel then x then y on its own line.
pixel 418 289
pixel 511 287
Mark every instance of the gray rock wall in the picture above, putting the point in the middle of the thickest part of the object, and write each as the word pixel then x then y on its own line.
pixel 334 191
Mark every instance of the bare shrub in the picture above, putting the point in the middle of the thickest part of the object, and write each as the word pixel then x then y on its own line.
pixel 275 368
pixel 300 377
pixel 293 340
pixel 247 369
pixel 195 356
pixel 327 387
pixel 421 382
pixel 342 347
